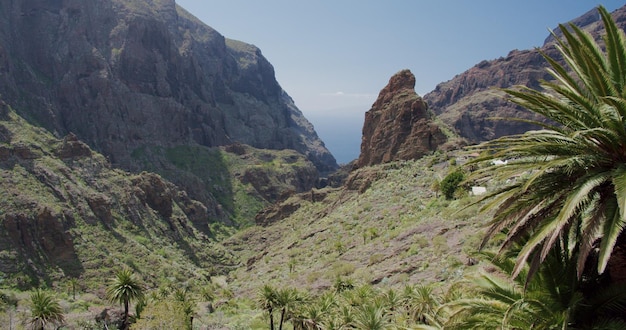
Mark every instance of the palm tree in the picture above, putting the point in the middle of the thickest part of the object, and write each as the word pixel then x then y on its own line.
pixel 124 288
pixel 421 303
pixel 73 283
pixel 287 300
pixel 552 299
pixel 186 303
pixel 45 310
pixel 573 170
pixel 267 301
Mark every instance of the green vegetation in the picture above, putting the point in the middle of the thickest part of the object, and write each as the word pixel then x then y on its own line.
pixel 450 183
pixel 386 252
pixel 575 188
pixel 568 205
pixel 124 289
pixel 243 180
pixel 45 310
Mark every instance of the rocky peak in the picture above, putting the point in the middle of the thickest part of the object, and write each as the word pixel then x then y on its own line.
pixel 399 125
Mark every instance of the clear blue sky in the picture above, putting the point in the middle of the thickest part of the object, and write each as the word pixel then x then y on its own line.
pixel 333 57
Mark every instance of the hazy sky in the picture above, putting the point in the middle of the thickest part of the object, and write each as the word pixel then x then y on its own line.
pixel 333 57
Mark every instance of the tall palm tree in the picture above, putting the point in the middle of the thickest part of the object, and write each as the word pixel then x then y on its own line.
pixel 73 284
pixel 572 170
pixel 288 300
pixel 123 289
pixel 44 310
pixel 186 303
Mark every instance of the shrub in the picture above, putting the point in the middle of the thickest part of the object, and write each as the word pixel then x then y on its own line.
pixel 440 244
pixel 451 182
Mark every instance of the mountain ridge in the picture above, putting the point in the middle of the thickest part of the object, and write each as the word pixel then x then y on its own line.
pixel 471 100
pixel 130 78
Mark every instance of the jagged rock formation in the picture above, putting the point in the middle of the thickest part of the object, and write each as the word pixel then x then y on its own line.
pixel 131 78
pixel 471 101
pixel 398 126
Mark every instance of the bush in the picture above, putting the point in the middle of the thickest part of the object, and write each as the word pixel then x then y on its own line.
pixel 451 182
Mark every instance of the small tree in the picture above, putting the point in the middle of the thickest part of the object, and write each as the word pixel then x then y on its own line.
pixel 186 304
pixel 44 310
pixel 123 289
pixel 267 301
pixel 72 285
pixel 451 183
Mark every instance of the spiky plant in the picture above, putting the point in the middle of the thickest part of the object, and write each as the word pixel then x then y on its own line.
pixel 371 316
pixel 552 299
pixel 44 310
pixel 421 303
pixel 572 172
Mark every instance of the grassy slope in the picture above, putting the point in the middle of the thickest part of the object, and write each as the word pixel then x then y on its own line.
pixel 395 232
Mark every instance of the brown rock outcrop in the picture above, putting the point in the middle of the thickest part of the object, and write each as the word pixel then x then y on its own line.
pixel 155 192
pixel 398 126
pixel 284 209
pixel 73 147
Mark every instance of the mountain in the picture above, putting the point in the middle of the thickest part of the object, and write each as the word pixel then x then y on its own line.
pixel 387 225
pixel 471 100
pixel 140 81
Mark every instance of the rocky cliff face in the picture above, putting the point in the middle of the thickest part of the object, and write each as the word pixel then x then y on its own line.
pixel 398 126
pixel 130 76
pixel 471 101
pixel 66 213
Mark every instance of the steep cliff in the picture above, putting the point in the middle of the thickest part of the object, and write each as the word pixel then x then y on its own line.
pixel 398 126
pixel 133 77
pixel 471 101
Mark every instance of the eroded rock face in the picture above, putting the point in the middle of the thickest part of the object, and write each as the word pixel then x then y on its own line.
pixel 126 75
pixel 398 126
pixel 285 208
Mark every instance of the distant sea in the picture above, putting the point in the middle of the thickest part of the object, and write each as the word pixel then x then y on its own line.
pixel 341 132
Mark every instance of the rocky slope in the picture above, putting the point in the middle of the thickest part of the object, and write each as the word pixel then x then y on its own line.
pixel 66 213
pixel 131 78
pixel 471 100
pixel 386 226
pixel 399 125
